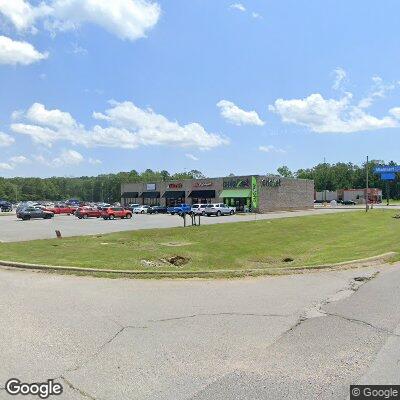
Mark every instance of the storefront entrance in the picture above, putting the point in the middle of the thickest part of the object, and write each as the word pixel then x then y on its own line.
pixel 174 198
pixel 202 196
pixel 150 198
pixel 240 199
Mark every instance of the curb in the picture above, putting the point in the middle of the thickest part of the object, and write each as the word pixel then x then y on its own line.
pixel 183 273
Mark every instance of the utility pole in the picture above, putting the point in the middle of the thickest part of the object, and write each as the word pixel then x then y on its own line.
pixel 366 191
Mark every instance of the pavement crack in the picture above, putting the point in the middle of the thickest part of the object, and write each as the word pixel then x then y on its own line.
pixel 362 322
pixel 102 346
pixel 217 315
pixel 76 389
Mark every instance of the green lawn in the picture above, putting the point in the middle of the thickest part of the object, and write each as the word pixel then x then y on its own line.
pixel 310 240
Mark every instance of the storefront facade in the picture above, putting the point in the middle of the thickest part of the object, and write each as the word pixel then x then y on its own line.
pixel 254 193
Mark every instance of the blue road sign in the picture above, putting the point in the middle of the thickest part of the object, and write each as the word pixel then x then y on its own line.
pixel 386 168
pixel 388 176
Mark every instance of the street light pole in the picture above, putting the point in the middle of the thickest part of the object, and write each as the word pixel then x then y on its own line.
pixel 366 191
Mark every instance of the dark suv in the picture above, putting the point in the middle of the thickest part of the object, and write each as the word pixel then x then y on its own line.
pixel 34 212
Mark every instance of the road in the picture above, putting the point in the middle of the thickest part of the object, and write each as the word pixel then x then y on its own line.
pixel 12 229
pixel 303 336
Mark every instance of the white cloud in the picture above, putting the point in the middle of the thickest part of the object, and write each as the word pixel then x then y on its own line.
pixel 191 157
pixel 6 140
pixel 256 15
pixel 66 158
pixel 340 78
pixel 329 115
pixel 271 149
pixel 127 19
pixel 237 116
pixel 379 91
pixel 238 6
pixel 6 166
pixel 395 111
pixel 19 160
pixel 22 14
pixel 95 161
pixel 128 127
pixel 14 52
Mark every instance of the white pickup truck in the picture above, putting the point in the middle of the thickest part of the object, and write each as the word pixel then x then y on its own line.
pixel 219 209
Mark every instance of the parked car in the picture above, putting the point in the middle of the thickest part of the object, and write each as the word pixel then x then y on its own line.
pixel 157 210
pixel 141 209
pixel 34 212
pixel 132 206
pixel 116 212
pixel 348 203
pixel 199 209
pixel 88 212
pixel 219 209
pixel 5 206
pixel 180 209
pixel 62 209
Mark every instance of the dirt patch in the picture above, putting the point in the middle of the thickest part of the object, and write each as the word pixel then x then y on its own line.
pixel 176 244
pixel 288 259
pixel 177 261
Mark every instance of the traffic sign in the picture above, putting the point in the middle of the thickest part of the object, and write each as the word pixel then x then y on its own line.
pixel 388 176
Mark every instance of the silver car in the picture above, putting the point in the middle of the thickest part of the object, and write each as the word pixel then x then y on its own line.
pixel 199 209
pixel 219 209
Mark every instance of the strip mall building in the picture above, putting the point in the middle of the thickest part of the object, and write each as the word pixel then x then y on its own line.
pixel 255 193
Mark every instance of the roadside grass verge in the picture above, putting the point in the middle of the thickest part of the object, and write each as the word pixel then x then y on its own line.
pixel 281 243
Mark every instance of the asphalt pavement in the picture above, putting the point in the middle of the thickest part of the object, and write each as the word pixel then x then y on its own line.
pixel 13 230
pixel 306 336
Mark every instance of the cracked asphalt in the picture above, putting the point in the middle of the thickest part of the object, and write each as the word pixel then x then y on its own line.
pixel 288 337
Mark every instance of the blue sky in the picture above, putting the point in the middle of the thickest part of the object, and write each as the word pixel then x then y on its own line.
pixel 220 86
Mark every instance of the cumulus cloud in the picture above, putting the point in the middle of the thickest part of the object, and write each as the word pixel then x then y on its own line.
pixel 191 157
pixel 378 91
pixel 237 116
pixel 13 52
pixel 271 149
pixel 395 111
pixel 22 14
pixel 329 115
pixel 127 19
pixel 6 140
pixel 127 126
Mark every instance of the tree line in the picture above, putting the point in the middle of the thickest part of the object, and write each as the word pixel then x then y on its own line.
pixel 346 176
pixel 107 187
pixel 101 188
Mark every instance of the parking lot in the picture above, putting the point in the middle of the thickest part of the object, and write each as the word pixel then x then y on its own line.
pixel 13 230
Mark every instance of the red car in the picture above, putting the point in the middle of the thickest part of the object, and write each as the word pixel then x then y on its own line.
pixel 87 212
pixel 62 209
pixel 116 212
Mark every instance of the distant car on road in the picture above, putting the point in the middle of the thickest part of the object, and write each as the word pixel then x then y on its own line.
pixel 34 212
pixel 141 209
pixel 199 209
pixel 157 210
pixel 88 212
pixel 348 203
pixel 116 212
pixel 219 209
pixel 180 209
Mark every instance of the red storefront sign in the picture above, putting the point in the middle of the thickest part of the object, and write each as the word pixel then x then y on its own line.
pixel 175 185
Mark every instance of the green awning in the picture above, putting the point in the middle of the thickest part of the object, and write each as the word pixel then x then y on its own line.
pixel 235 194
